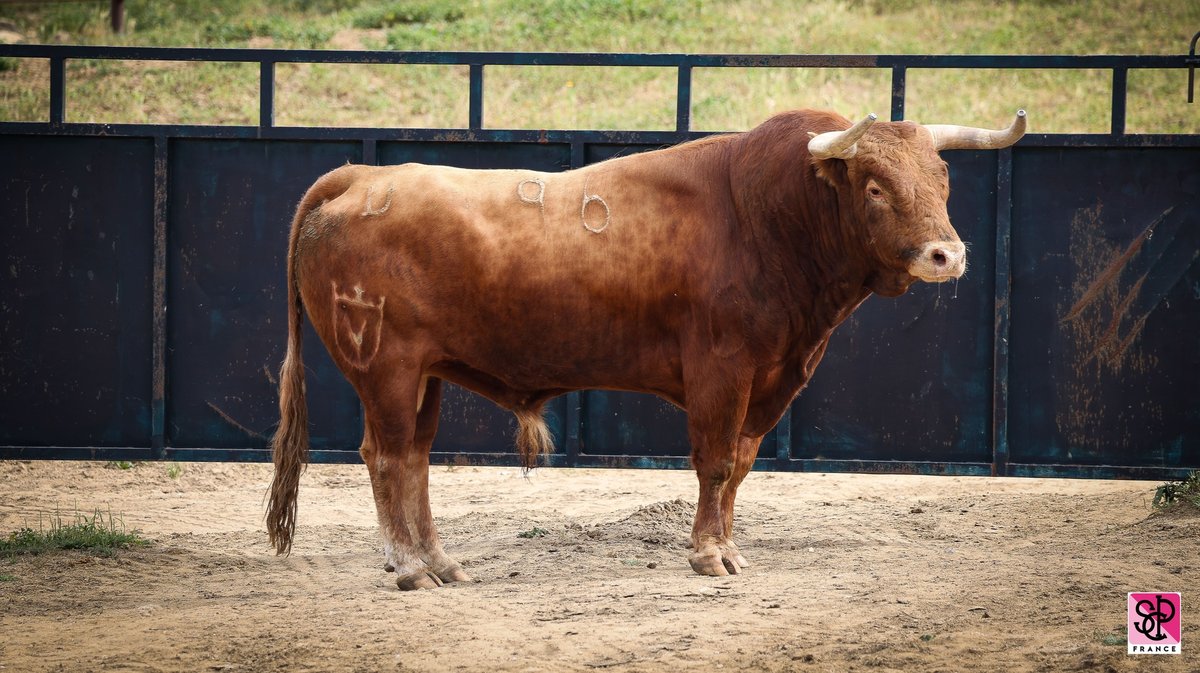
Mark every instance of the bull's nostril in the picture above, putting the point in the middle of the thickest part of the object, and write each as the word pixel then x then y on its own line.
pixel 939 258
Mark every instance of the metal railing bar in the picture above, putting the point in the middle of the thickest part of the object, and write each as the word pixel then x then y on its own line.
pixel 1003 61
pixel 683 63
pixel 551 136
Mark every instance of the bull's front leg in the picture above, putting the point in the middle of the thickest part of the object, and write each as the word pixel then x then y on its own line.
pixel 747 451
pixel 722 457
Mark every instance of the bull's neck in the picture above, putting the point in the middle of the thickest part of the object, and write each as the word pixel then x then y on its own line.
pixel 794 220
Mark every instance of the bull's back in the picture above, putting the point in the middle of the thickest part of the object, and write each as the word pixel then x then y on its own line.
pixel 550 278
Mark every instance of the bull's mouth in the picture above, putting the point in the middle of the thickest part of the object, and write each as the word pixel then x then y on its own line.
pixel 937 277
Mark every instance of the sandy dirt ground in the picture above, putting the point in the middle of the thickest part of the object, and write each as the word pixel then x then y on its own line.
pixel 850 573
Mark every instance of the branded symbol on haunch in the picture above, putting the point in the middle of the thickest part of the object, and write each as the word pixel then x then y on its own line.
pixel 1153 617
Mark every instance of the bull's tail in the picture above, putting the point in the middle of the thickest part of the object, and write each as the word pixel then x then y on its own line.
pixel 533 437
pixel 289 447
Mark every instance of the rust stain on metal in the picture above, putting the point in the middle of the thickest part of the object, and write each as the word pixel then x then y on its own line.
pixel 1101 336
pixel 1110 273
pixel 1109 339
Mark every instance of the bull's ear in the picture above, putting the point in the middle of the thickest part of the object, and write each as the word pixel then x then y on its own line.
pixel 832 171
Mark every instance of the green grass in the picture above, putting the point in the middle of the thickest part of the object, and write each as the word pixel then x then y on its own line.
pixel 393 13
pixel 533 532
pixel 615 98
pixel 98 534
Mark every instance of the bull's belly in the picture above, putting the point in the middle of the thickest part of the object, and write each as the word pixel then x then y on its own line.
pixel 514 362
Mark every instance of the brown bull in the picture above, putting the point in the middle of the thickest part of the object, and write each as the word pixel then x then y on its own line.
pixel 711 274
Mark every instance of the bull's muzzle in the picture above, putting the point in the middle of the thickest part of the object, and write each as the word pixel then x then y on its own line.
pixel 939 261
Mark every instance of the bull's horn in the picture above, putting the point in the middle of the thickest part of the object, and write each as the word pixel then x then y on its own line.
pixel 950 137
pixel 840 144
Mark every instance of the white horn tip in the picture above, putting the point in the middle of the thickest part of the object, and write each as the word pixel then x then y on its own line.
pixel 1020 113
pixel 872 116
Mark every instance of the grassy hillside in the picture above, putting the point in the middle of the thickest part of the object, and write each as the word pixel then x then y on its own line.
pixel 629 98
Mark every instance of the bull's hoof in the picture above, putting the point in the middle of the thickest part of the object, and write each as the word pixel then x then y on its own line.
pixel 737 556
pixel 422 579
pixel 717 560
pixel 452 573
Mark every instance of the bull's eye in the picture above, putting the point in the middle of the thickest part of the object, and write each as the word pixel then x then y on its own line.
pixel 875 191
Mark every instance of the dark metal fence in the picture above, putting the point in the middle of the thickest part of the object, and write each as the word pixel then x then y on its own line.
pixel 142 310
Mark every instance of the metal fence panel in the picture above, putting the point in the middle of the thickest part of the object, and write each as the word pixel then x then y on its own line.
pixel 142 313
pixel 230 212
pixel 1106 307
pixel 75 296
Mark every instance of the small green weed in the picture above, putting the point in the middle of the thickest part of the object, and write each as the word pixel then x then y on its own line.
pixel 632 562
pixel 174 470
pixel 1186 490
pixel 7 578
pixel 119 465
pixel 1109 639
pixel 533 532
pixel 926 637
pixel 97 534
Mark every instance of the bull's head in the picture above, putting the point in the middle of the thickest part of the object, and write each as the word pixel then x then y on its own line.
pixel 896 188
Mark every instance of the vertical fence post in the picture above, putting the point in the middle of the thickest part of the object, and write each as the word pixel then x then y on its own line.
pixel 58 89
pixel 1003 310
pixel 1119 82
pixel 266 94
pixel 158 320
pixel 899 92
pixel 683 100
pixel 476 98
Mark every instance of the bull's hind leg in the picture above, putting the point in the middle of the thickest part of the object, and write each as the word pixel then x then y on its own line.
pixel 399 430
pixel 430 543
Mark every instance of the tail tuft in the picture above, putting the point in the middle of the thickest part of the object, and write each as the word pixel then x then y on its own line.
pixel 533 437
pixel 290 451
